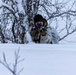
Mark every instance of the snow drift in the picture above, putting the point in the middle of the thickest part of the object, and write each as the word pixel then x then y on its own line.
pixel 41 59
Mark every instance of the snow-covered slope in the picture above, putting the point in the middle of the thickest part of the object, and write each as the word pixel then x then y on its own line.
pixel 41 59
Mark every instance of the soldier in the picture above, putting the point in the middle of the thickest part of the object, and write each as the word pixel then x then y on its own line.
pixel 42 33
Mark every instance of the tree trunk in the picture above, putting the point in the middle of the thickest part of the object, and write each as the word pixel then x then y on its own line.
pixel 32 9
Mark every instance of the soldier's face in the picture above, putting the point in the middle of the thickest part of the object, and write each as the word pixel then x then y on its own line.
pixel 39 23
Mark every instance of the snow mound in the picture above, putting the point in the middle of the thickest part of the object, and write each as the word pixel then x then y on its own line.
pixel 42 59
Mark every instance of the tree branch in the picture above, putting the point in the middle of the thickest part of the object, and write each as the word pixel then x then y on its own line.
pixel 9 8
pixel 14 70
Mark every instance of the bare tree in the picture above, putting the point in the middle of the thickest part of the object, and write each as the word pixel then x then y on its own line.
pixel 21 12
pixel 61 13
pixel 12 13
pixel 15 65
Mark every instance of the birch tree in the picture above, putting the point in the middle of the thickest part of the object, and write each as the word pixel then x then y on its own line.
pixel 17 15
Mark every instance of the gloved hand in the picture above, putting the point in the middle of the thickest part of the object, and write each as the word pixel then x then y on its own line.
pixel 33 32
pixel 43 31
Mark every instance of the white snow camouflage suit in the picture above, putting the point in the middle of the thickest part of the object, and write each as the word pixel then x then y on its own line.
pixel 51 36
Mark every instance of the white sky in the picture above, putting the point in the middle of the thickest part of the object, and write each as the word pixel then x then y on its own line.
pixel 70 39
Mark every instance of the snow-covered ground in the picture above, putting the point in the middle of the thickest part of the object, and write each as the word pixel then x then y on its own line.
pixel 41 59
